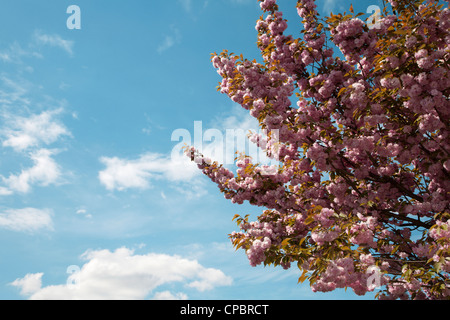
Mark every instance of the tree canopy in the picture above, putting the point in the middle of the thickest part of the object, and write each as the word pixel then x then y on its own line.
pixel 357 118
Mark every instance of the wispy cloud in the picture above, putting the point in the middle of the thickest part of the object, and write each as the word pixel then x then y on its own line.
pixel 235 125
pixel 5 57
pixel 13 92
pixel 21 133
pixel 122 274
pixel 329 6
pixel 15 53
pixel 54 40
pixel 28 135
pixel 25 131
pixel 169 40
pixel 44 172
pixel 26 220
pixel 334 6
pixel 186 4
pixel 195 8
pixel 84 212
pixel 168 43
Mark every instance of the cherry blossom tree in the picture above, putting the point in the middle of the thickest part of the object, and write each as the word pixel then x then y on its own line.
pixel 360 195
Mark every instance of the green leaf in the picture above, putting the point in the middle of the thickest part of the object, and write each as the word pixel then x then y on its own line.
pixel 303 277
pixel 309 220
pixel 341 91
pixel 285 242
pixel 301 241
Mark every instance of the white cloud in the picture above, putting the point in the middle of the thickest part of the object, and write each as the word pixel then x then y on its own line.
pixel 167 295
pixel 193 189
pixel 219 143
pixel 209 279
pixel 44 172
pixel 22 128
pixel 84 213
pixel 26 220
pixel 30 284
pixel 13 93
pixel 235 127
pixel 5 191
pixel 54 41
pixel 121 174
pixel 29 134
pixel 236 118
pixel 124 275
pixel 22 133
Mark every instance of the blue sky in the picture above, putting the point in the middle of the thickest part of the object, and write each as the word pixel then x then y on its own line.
pixel 92 202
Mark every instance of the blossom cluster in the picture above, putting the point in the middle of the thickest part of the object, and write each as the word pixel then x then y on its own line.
pixel 341 273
